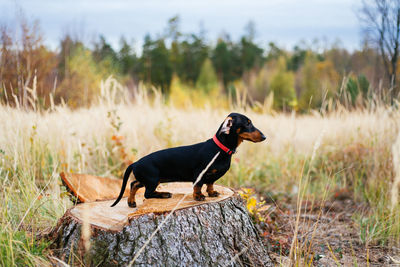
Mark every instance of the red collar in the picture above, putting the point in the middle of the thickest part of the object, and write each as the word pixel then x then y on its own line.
pixel 220 145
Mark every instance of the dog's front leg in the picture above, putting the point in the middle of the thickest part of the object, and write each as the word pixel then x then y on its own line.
pixel 210 191
pixel 197 195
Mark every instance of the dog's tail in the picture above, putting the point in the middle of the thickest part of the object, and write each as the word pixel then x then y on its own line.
pixel 124 182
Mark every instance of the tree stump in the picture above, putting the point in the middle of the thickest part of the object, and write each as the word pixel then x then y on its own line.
pixel 214 232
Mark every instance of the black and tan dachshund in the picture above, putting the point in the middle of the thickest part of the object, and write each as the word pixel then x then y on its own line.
pixel 185 163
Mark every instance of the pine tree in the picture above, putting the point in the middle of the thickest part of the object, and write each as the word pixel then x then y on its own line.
pixel 207 81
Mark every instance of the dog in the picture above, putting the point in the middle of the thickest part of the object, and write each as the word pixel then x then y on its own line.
pixel 185 163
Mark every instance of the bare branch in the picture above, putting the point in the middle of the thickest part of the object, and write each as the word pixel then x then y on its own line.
pixel 381 20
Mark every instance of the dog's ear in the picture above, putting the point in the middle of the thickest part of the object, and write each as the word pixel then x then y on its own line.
pixel 226 125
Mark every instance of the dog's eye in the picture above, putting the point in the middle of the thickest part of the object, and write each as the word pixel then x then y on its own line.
pixel 248 122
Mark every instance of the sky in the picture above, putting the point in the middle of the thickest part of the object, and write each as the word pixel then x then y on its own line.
pixel 286 23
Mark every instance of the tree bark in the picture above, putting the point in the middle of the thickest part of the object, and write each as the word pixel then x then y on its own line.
pixel 217 232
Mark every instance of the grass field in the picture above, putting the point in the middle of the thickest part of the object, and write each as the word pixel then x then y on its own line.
pixel 305 159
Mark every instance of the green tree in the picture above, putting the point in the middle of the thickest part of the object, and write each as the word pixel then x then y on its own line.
pixel 194 52
pixel 250 54
pixel 363 85
pixel 173 34
pixel 226 60
pixel 68 47
pixel 357 87
pixel 104 53
pixel 128 61
pixel 207 81
pixel 274 52
pixel 157 68
pixel 282 85
pixel 352 89
pixel 297 58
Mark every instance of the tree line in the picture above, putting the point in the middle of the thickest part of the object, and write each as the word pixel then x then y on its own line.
pixel 309 76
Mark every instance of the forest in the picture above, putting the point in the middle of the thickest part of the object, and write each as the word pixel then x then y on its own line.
pixel 187 66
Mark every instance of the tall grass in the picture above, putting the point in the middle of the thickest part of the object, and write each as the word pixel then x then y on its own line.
pixel 353 152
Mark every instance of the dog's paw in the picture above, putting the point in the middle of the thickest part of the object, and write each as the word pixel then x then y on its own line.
pixel 199 197
pixel 132 204
pixel 213 194
pixel 165 195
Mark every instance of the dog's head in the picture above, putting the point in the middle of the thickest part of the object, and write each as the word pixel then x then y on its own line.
pixel 240 126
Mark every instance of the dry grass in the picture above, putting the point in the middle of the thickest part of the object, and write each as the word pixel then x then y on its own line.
pixel 305 157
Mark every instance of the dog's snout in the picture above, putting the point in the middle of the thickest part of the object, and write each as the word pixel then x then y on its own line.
pixel 262 136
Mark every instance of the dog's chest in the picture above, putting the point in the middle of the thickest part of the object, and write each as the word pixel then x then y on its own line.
pixel 218 168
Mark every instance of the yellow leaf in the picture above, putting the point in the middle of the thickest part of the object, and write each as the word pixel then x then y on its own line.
pixel 251 204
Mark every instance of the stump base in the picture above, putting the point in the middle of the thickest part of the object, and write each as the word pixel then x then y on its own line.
pixel 215 232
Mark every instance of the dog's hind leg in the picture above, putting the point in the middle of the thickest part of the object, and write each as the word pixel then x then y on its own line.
pixel 135 185
pixel 152 193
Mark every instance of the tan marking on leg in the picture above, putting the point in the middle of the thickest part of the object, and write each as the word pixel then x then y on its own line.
pixel 197 195
pixel 210 188
pixel 210 191
pixel 132 194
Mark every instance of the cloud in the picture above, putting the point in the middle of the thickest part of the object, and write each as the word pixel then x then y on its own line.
pixel 283 21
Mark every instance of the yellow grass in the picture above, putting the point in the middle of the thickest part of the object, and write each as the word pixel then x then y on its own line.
pixel 353 151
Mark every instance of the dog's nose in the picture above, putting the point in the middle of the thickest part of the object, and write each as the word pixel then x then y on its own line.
pixel 263 137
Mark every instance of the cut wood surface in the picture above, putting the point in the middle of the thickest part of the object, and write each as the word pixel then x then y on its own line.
pixel 214 232
pixel 101 214
pixel 89 188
